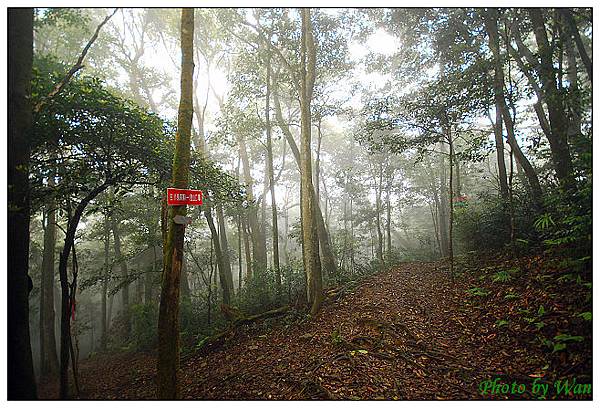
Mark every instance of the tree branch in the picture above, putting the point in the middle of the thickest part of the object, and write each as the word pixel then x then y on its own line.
pixel 78 65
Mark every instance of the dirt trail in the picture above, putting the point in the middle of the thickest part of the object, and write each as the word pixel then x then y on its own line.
pixel 407 333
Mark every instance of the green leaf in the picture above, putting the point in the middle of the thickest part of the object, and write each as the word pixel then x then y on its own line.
pixel 541 310
pixel 586 315
pixel 500 323
pixel 568 337
pixel 559 347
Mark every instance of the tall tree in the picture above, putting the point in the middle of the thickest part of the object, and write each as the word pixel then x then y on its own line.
pixel 114 226
pixel 310 243
pixel 329 263
pixel 48 357
pixel 499 142
pixel 107 268
pixel 554 99
pixel 270 175
pixel 168 319
pixel 491 25
pixel 21 380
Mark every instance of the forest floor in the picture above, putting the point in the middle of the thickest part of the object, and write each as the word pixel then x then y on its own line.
pixel 406 333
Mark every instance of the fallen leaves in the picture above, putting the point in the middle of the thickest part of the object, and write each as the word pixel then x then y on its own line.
pixel 407 333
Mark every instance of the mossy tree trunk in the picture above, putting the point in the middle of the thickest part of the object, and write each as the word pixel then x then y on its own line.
pixel 168 319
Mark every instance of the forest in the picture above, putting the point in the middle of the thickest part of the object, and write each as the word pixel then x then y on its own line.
pixel 299 204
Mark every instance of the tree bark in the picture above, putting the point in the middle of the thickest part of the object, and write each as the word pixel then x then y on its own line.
pixel 21 379
pixel 168 319
pixel 310 246
pixel 49 359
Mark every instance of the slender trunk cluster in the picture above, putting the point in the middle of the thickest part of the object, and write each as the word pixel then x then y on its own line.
pixel 491 24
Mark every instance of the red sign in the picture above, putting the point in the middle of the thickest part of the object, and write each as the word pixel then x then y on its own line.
pixel 176 196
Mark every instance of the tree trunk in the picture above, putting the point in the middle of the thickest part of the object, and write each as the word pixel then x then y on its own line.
pixel 227 274
pixel 310 246
pixel 442 205
pixel 329 264
pixel 247 250
pixel 21 379
pixel 49 359
pixel 559 123
pixel 222 266
pixel 168 319
pixel 318 166
pixel 388 226
pixel 104 338
pixel 500 154
pixel 491 23
pixel 451 203
pixel 351 236
pixel 67 288
pixel 275 229
pixel 572 26
pixel 150 278
pixel 378 209
pixel 239 251
pixel 259 246
pixel 575 96
pixel 124 275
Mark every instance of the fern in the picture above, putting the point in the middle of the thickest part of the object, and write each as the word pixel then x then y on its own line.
pixel 477 292
pixel 501 276
pixel 543 222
